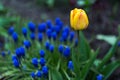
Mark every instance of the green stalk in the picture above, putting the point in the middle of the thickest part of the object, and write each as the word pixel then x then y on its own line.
pixel 108 55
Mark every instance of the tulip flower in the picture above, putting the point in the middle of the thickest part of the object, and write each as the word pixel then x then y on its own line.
pixel 78 19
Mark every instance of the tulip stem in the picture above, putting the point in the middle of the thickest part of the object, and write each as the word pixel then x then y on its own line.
pixel 78 35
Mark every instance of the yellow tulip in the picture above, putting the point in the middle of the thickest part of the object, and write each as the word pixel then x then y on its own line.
pixel 78 19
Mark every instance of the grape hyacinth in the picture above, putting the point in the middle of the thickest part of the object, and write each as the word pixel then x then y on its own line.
pixel 70 65
pixel 31 26
pixel 47 45
pixel 39 73
pixel 51 48
pixel 61 48
pixel 24 31
pixel 40 37
pixel 66 52
pixel 33 74
pixel 72 34
pixel 32 36
pixel 11 30
pixel 119 43
pixel 54 35
pixel 16 63
pixel 35 62
pixel 44 51
pixel 45 70
pixel 49 33
pixel 42 27
pixel 49 23
pixel 15 36
pixel 99 77
pixel 3 54
pixel 42 61
pixel 27 43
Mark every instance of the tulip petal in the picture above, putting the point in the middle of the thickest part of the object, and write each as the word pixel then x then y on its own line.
pixel 78 19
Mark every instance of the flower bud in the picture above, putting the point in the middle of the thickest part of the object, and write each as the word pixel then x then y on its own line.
pixel 78 19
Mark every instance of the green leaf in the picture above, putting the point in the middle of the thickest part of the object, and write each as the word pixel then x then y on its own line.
pixel 80 2
pixel 111 39
pixel 108 69
pixel 84 48
pixel 88 65
pixel 50 3
pixel 3 32
pixel 56 75
pixel 97 62
pixel 3 10
pixel 108 55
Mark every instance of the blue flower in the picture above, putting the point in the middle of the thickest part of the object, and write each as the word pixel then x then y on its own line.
pixel 57 29
pixel 22 51
pixel 1 44
pixel 39 73
pixel 72 34
pixel 35 62
pixel 42 27
pixel 42 61
pixel 49 23
pixel 64 36
pixel 27 43
pixel 57 21
pixel 99 77
pixel 119 43
pixel 32 36
pixel 52 28
pixel 16 63
pixel 61 39
pixel 14 57
pixel 47 45
pixel 45 70
pixel 40 37
pixel 66 52
pixel 51 48
pixel 42 53
pixel 61 48
pixel 32 74
pixel 24 31
pixel 15 36
pixel 60 24
pixel 17 52
pixel 11 30
pixel 76 42
pixel 66 29
pixel 31 26
pixel 70 65
pixel 3 54
pixel 49 33
pixel 54 35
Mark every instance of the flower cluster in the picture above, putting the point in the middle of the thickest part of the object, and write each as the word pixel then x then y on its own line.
pixel 53 40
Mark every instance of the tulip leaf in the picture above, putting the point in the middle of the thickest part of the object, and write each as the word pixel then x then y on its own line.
pixel 108 38
pixel 84 48
pixel 56 75
pixel 3 32
pixel 108 69
pixel 108 55
pixel 88 65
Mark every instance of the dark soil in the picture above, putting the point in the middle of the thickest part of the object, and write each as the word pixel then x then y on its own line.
pixel 103 17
